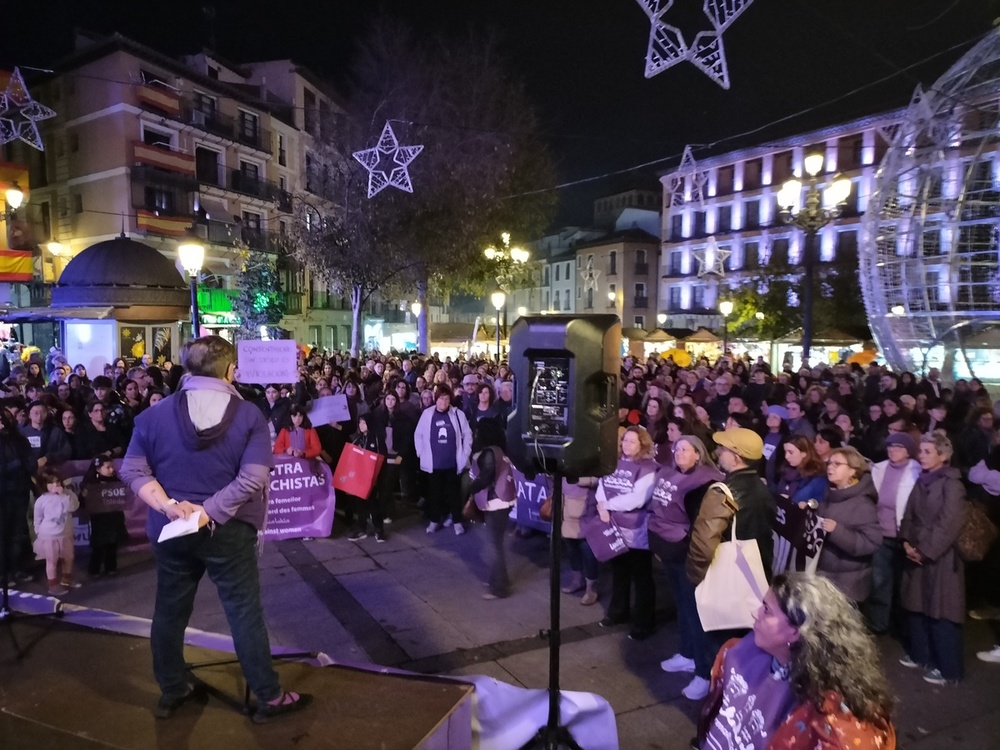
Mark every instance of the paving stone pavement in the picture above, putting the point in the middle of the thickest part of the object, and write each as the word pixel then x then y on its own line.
pixel 414 602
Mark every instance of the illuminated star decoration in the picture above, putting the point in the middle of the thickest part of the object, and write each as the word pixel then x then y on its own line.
pixel 590 275
pixel 675 182
pixel 667 46
pixel 19 114
pixel 388 151
pixel 712 259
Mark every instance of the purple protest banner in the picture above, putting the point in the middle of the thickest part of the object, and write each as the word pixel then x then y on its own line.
pixel 302 500
pixel 531 493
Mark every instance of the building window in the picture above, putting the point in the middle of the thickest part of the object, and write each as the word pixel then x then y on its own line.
pixel 566 302
pixel 204 104
pixel 751 255
pixel 847 246
pixel 781 168
pixel 545 277
pixel 724 181
pixel 579 292
pixel 676 262
pixel 546 305
pixel 725 223
pixel 213 72
pixel 579 261
pixel 283 229
pixel 699 298
pixel 674 297
pixel 557 273
pixel 309 111
pixel 153 137
pixel 556 298
pixel 590 299
pixel 78 204
pixel 613 263
pixel 752 174
pixel 250 170
pixel 249 125
pixel 640 321
pixel 699 224
pixel 206 165
pixel 159 200
pixel 751 214
pixel 849 152
pixel 282 152
pixel 676 226
pixel 779 252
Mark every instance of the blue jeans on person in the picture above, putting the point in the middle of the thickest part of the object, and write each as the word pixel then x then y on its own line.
pixel 229 556
pixel 694 644
pixel 581 558
pixel 936 644
pixel 496 528
pixel 887 566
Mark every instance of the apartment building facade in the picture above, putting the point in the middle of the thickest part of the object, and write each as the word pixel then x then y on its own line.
pixel 152 146
pixel 738 214
pixel 617 274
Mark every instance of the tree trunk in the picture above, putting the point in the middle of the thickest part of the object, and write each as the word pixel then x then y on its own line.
pixel 355 320
pixel 423 337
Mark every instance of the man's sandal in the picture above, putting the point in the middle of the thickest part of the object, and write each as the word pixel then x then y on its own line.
pixel 287 704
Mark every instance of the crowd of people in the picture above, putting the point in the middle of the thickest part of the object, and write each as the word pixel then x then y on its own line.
pixel 888 461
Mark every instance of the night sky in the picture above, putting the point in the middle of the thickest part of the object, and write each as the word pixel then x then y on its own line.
pixel 581 62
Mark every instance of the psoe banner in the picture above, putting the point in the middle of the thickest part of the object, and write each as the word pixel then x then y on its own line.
pixel 531 493
pixel 302 500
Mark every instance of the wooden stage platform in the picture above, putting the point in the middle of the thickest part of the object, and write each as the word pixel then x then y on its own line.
pixel 78 688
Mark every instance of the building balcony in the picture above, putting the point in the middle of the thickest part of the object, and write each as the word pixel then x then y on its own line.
pixel 674 271
pixel 39 294
pixel 155 176
pixel 319 300
pixel 642 269
pixel 640 303
pixel 209 121
pixel 247 184
pixel 285 202
pixel 158 98
pixel 293 302
pixel 260 139
pixel 163 158
pixel 263 241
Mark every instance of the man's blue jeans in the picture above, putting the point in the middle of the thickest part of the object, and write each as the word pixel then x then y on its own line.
pixel 229 556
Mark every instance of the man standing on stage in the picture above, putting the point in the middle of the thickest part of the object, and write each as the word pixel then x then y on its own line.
pixel 209 449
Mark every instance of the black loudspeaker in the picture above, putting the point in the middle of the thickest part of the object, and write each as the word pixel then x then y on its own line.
pixel 566 371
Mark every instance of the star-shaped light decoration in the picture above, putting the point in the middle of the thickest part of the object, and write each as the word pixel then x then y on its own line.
pixel 20 114
pixel 667 45
pixel 386 163
pixel 699 180
pixel 590 275
pixel 712 259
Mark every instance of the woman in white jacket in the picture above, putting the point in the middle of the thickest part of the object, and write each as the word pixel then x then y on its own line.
pixel 443 441
pixel 893 479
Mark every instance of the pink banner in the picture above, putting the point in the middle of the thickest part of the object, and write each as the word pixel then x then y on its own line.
pixel 301 504
pixel 302 500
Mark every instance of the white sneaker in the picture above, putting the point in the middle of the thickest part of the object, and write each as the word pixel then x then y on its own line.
pixel 677 663
pixel 447 522
pixel 459 529
pixel 697 689
pixel 992 656
pixel 432 527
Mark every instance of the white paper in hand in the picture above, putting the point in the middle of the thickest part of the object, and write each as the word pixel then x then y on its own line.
pixel 180 527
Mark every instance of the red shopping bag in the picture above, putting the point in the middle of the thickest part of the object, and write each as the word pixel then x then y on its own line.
pixel 357 471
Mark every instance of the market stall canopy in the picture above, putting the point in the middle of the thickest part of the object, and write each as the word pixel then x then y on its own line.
pixel 457 332
pixel 659 336
pixel 825 337
pixel 702 336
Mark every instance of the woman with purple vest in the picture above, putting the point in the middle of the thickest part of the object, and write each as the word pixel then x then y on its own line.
pixel 626 493
pixel 494 492
pixel 677 495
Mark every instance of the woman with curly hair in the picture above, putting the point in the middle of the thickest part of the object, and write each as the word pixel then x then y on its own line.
pixel 807 676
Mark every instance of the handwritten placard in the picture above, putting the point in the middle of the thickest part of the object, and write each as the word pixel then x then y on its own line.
pixel 329 409
pixel 266 362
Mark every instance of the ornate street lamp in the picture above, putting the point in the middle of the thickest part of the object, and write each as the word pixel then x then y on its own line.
pixel 14 196
pixel 499 299
pixel 192 255
pixel 821 206
pixel 505 259
pixel 726 308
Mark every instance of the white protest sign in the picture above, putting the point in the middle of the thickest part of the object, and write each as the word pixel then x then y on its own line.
pixel 268 361
pixel 329 409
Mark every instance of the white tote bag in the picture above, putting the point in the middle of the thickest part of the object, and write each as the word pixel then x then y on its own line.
pixel 734 585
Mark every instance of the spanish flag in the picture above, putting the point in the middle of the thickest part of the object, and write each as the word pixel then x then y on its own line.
pixel 16 265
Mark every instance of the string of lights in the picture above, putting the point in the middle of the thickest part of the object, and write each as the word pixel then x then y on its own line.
pixel 635 167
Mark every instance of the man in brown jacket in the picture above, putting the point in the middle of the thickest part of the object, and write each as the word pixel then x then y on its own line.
pixel 754 507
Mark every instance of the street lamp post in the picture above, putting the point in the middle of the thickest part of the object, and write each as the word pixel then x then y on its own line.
pixel 192 255
pixel 505 261
pixel 499 299
pixel 726 308
pixel 821 206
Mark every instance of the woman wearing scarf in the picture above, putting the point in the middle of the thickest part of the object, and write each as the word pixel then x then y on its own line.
pixel 894 479
pixel 933 588
pixel 677 494
pixel 848 514
pixel 627 493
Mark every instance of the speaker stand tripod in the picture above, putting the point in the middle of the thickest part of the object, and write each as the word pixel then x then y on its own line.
pixel 8 616
pixel 554 736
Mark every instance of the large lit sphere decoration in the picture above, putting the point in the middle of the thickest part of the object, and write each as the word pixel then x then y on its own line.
pixel 928 260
